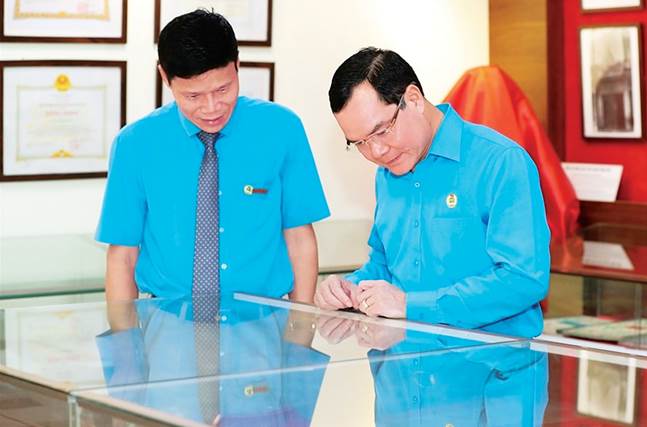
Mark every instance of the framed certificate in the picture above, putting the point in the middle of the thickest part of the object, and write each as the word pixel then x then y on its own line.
pixel 73 21
pixel 611 81
pixel 251 19
pixel 58 118
pixel 256 81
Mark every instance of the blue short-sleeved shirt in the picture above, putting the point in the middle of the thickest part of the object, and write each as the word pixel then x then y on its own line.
pixel 150 198
pixel 464 234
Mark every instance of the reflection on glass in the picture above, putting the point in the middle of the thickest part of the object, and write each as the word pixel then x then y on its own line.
pixel 156 340
pixel 496 386
pixel 269 372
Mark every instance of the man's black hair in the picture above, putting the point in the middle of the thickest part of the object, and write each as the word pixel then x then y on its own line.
pixel 386 71
pixel 196 42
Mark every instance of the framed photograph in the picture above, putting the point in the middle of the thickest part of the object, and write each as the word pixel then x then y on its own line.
pixel 606 390
pixel 251 19
pixel 58 118
pixel 609 5
pixel 72 21
pixel 256 80
pixel 611 82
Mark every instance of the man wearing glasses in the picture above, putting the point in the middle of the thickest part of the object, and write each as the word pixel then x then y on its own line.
pixel 460 234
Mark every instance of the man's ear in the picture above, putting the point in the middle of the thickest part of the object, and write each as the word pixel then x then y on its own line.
pixel 163 75
pixel 415 98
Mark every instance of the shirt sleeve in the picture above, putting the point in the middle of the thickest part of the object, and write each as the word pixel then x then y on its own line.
pixel 303 197
pixel 517 241
pixel 124 204
pixel 376 267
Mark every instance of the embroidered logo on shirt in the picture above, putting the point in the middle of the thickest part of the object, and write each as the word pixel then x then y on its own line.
pixel 251 390
pixel 451 200
pixel 249 190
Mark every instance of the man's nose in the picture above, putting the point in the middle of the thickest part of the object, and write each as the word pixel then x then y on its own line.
pixel 211 102
pixel 378 149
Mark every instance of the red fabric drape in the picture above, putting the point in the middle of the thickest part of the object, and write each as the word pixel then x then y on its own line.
pixel 487 95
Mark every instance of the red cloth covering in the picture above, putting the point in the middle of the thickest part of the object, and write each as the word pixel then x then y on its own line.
pixel 487 95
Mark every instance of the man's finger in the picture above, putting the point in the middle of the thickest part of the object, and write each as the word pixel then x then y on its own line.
pixel 329 298
pixel 352 291
pixel 338 291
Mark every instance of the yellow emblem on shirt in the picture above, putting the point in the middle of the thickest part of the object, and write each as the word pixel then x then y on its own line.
pixel 451 200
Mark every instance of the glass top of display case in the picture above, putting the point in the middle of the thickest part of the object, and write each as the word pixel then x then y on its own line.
pixel 365 371
pixel 89 345
pixel 263 361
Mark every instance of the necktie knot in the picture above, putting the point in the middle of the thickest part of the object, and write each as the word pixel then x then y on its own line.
pixel 207 138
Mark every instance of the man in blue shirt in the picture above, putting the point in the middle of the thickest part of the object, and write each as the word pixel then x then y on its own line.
pixel 460 234
pixel 267 195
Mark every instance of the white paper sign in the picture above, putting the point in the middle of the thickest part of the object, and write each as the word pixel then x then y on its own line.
pixel 609 255
pixel 594 182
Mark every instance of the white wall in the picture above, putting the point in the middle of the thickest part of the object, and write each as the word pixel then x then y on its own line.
pixel 440 38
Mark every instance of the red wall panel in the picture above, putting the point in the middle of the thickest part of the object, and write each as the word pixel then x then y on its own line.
pixel 631 154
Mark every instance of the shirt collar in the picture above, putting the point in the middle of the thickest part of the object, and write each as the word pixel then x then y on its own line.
pixel 191 129
pixel 447 140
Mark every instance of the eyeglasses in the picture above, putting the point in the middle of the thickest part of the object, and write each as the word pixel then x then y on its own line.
pixel 381 134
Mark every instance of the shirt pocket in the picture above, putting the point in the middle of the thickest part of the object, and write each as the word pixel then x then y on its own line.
pixel 259 202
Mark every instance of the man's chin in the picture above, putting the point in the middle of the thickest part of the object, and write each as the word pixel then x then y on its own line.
pixel 398 170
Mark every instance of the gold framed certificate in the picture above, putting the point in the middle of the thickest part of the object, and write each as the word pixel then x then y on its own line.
pixel 251 19
pixel 256 80
pixel 73 21
pixel 58 118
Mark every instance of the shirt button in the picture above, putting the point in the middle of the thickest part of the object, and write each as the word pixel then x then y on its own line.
pixel 223 266
pixel 416 263
pixel 416 223
pixel 415 399
pixel 222 353
pixel 416 184
pixel 222 230
pixel 219 193
pixel 415 362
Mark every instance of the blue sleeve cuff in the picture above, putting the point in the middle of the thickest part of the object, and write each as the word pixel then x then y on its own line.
pixel 352 277
pixel 422 307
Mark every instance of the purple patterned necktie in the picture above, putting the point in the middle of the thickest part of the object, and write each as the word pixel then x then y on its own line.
pixel 206 267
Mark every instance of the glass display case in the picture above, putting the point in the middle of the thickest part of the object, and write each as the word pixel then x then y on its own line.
pixel 263 361
pixel 598 286
pixel 50 266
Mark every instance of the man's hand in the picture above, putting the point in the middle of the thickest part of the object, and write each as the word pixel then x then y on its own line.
pixel 379 337
pixel 380 298
pixel 335 293
pixel 335 329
